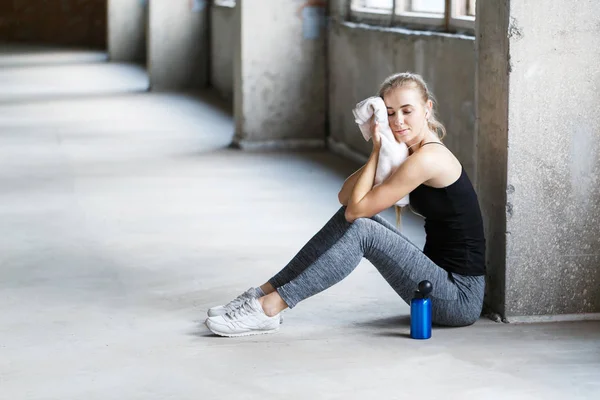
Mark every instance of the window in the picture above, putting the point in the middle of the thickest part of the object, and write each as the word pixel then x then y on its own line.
pixel 428 6
pixel 378 4
pixel 471 8
pixel 441 15
pixel 224 3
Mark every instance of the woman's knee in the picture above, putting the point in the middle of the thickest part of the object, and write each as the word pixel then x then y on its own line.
pixel 363 222
pixel 362 225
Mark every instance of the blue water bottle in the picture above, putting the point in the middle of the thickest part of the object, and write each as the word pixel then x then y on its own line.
pixel 420 312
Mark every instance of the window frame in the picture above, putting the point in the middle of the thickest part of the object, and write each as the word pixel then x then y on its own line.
pixel 454 19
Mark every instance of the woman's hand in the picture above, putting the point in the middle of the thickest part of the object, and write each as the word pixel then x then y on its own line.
pixel 375 135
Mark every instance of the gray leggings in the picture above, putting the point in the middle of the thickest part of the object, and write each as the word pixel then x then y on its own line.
pixel 339 246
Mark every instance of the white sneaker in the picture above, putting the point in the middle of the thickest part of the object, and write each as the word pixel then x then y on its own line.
pixel 248 319
pixel 233 304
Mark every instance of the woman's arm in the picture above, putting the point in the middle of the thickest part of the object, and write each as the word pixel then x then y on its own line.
pixel 366 179
pixel 344 194
pixel 371 165
pixel 364 202
pixel 363 185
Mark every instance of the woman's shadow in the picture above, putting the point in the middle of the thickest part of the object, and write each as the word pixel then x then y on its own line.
pixel 397 326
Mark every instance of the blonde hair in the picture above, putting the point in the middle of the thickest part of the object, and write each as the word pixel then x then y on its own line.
pixel 415 81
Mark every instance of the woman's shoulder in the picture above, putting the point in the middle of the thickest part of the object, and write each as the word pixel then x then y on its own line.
pixel 435 151
pixel 444 166
pixel 433 154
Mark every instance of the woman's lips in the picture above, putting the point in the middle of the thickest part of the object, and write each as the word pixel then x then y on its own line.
pixel 402 131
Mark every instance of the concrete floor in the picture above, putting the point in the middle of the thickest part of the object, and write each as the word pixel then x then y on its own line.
pixel 124 217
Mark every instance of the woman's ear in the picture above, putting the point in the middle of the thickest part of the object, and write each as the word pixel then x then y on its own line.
pixel 428 107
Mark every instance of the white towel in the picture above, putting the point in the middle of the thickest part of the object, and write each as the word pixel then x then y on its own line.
pixel 392 153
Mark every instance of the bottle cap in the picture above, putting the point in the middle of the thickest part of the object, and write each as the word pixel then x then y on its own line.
pixel 424 289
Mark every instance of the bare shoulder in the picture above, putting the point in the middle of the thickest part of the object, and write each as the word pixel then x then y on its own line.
pixel 444 167
pixel 431 156
pixel 418 168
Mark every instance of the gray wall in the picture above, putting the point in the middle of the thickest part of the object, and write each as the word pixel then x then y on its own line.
pixel 361 56
pixel 127 25
pixel 178 45
pixel 280 99
pixel 538 74
pixel 223 46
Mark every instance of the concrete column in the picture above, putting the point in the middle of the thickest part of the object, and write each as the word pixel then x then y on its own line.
pixel 280 92
pixel 538 132
pixel 178 44
pixel 222 36
pixel 339 9
pixel 127 25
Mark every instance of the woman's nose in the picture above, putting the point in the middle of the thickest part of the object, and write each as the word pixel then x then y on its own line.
pixel 398 120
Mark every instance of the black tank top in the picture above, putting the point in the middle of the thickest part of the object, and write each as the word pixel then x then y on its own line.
pixel 453 225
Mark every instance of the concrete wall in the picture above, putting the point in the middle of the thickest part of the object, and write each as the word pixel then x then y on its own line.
pixel 538 74
pixel 223 46
pixel 279 71
pixel 80 23
pixel 127 30
pixel 492 141
pixel 361 56
pixel 178 44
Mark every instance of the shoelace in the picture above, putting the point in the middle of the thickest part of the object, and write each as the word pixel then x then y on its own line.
pixel 235 303
pixel 241 311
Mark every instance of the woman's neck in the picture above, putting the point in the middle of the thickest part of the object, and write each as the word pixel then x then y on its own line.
pixel 416 144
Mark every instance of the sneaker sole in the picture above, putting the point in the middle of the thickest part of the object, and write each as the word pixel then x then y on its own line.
pixel 218 315
pixel 250 333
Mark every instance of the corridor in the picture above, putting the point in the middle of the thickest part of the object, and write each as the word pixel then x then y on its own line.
pixel 125 215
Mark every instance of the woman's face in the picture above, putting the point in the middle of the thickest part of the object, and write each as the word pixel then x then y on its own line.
pixel 406 114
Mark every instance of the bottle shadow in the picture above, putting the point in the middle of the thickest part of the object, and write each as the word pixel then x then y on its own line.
pixel 388 322
pixel 391 334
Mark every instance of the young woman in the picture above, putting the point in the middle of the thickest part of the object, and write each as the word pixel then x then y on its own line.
pixel 453 258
